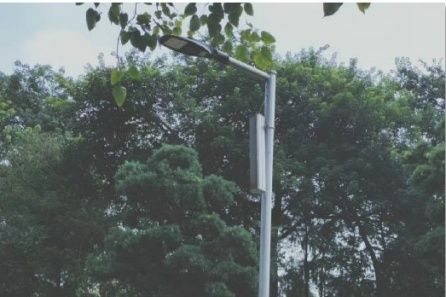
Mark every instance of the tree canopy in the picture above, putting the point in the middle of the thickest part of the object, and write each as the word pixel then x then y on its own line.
pixel 152 197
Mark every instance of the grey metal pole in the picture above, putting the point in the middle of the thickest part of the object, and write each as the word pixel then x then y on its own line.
pixel 265 228
pixel 248 68
pixel 266 199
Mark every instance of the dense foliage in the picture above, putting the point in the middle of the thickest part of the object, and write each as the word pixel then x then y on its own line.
pixel 151 198
pixel 225 25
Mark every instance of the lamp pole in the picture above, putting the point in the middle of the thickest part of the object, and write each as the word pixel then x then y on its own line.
pixel 266 204
pixel 196 48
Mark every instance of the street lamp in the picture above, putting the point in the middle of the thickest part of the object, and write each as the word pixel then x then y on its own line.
pixel 191 47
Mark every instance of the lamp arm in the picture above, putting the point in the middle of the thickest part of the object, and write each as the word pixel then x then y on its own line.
pixel 227 60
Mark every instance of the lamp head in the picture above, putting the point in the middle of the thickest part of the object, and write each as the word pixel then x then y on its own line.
pixel 186 46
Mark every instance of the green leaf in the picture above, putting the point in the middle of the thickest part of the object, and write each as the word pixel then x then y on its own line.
pixel 234 11
pixel 248 9
pixel 194 24
pixel 145 27
pixel 227 46
pixel 226 7
pixel 217 12
pixel 125 36
pixel 136 39
pixel 204 19
pixel 150 41
pixel 92 17
pixel 113 13
pixel 254 37
pixel 156 30
pixel 267 55
pixel 214 27
pixel 263 58
pixel 218 39
pixel 331 8
pixel 123 19
pixel 363 6
pixel 143 18
pixel 190 9
pixel 245 35
pixel 176 31
pixel 259 60
pixel 116 76
pixel 241 52
pixel 228 30
pixel 120 94
pixel 166 10
pixel 233 8
pixel 267 37
pixel 234 18
pixel 133 72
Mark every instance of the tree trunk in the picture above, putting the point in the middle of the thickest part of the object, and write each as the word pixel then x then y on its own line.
pixel 322 277
pixel 306 268
pixel 376 264
pixel 274 288
pixel 351 217
pixel 382 235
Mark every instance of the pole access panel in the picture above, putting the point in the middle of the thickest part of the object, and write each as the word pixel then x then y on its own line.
pixel 257 153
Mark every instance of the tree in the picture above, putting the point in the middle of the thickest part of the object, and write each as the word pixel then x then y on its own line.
pixel 391 206
pixel 171 232
pixel 50 215
pixel 420 248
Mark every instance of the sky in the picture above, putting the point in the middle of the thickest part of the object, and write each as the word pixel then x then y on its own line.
pixel 56 34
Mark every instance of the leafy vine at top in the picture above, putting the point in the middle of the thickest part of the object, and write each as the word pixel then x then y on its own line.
pixel 143 25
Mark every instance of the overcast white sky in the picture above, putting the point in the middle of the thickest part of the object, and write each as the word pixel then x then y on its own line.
pixel 56 34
